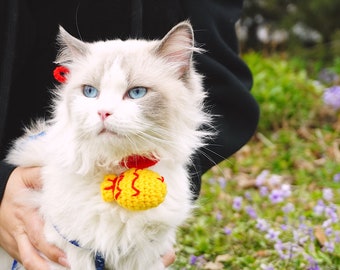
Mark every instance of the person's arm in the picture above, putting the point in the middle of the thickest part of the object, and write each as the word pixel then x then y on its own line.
pixel 21 226
pixel 228 81
pixel 227 78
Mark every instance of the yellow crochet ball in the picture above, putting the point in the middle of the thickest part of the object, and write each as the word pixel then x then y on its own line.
pixel 107 187
pixel 135 189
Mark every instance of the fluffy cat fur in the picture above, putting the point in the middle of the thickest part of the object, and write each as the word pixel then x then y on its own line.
pixel 79 147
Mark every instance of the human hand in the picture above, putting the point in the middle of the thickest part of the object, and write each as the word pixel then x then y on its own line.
pixel 21 227
pixel 169 258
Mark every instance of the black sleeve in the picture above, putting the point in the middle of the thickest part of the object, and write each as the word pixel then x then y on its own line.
pixel 5 171
pixel 8 25
pixel 227 80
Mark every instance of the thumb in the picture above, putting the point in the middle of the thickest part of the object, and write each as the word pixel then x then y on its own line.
pixel 31 177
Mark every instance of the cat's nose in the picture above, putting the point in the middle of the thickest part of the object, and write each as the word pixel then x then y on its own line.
pixel 104 114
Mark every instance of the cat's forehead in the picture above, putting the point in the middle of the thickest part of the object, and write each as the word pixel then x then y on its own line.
pixel 122 48
pixel 128 55
pixel 122 59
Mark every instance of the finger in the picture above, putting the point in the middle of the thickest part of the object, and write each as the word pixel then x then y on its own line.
pixel 54 254
pixel 6 240
pixel 38 240
pixel 30 257
pixel 169 258
pixel 32 177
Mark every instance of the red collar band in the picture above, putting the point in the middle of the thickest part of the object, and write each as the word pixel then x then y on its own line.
pixel 139 162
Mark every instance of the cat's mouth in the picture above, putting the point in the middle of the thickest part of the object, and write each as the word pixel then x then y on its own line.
pixel 105 131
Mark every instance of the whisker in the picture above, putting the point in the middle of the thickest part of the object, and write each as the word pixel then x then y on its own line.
pixel 150 138
pixel 77 25
pixel 211 159
pixel 215 153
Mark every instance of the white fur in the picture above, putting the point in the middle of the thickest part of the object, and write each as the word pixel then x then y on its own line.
pixel 75 157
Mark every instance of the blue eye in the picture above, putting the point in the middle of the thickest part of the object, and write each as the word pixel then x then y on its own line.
pixel 90 91
pixel 137 92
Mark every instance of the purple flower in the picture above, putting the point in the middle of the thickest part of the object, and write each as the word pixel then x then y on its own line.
pixel 267 267
pixel 284 227
pixel 337 237
pixel 248 196
pixel 261 178
pixel 276 196
pixel 275 180
pixel 279 194
pixel 300 237
pixel 327 223
pixel 222 182
pixel 262 224
pixel 286 191
pixel 328 76
pixel 263 191
pixel 319 208
pixel 251 212
pixel 211 181
pixel 329 231
pixel 328 247
pixel 313 265
pixel 289 207
pixel 237 203
pixel 193 259
pixel 280 250
pixel 310 232
pixel 284 252
pixel 332 213
pixel 336 178
pixel 287 250
pixel 227 230
pixel 331 97
pixel 196 260
pixel 273 235
pixel 327 194
pixel 219 216
pixel 302 224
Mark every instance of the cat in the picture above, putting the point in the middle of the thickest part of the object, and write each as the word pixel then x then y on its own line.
pixel 119 99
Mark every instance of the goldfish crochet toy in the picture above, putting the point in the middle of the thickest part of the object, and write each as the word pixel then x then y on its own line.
pixel 138 188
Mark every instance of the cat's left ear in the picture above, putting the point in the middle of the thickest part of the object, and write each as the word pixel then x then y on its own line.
pixel 177 47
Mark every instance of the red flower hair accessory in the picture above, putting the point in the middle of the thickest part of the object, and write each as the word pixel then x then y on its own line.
pixel 60 73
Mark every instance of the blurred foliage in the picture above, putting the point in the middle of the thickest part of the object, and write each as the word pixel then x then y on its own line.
pixel 287 96
pixel 321 15
pixel 314 17
pixel 297 142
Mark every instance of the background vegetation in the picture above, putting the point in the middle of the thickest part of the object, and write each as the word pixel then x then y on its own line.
pixel 275 203
pixel 292 25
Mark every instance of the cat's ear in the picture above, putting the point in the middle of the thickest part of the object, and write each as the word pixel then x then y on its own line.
pixel 70 47
pixel 177 47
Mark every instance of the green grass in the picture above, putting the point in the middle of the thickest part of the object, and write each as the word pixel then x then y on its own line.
pixel 297 143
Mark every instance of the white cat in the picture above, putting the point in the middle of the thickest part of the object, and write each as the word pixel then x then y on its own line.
pixel 121 98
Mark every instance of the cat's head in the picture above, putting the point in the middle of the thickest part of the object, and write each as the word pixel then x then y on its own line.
pixel 132 97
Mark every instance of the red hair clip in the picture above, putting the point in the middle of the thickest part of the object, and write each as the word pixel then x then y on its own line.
pixel 60 73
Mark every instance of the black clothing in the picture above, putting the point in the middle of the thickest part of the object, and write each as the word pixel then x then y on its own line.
pixel 28 30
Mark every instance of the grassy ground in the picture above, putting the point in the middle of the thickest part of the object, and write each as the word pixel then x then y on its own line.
pixel 275 203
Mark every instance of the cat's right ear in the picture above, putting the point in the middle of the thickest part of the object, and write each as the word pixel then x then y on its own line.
pixel 70 47
pixel 177 47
